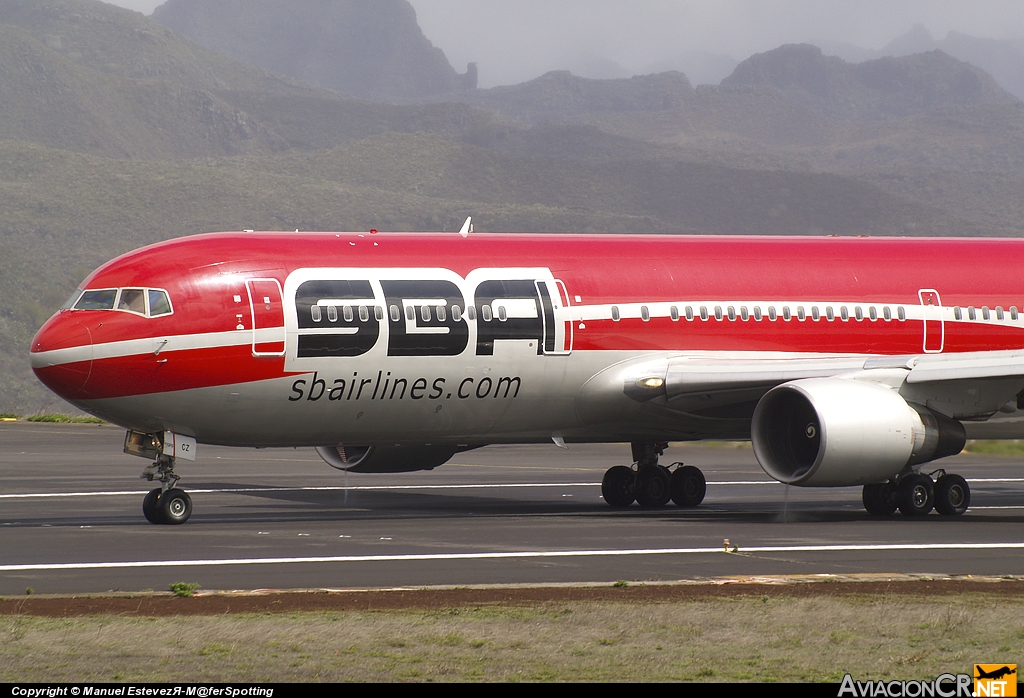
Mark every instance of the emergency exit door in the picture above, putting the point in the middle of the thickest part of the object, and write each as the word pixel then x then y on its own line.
pixel 267 317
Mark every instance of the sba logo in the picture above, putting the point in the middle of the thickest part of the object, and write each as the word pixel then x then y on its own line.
pixel 995 680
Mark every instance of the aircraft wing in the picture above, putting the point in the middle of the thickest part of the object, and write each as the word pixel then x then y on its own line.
pixel 971 385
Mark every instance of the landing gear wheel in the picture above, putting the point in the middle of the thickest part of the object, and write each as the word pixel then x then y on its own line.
pixel 952 495
pixel 653 486
pixel 617 486
pixel 149 506
pixel 916 495
pixel 688 486
pixel 880 499
pixel 175 506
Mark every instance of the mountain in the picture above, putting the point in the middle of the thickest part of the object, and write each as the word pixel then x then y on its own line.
pixel 880 89
pixel 372 49
pixel 1003 59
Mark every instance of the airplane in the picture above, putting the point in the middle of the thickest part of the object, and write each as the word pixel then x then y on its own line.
pixel 846 361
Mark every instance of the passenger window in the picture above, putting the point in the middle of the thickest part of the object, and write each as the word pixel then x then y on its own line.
pixel 800 315
pixel 744 315
pixel 410 313
pixel 471 312
pixel 731 311
pixel 133 300
pixel 674 313
pixel 887 313
pixel 815 315
pixel 859 313
pixel 957 314
pixel 425 313
pixel 703 312
pixel 314 312
pixel 441 313
pixel 984 313
pixel 757 313
pixel 786 315
pixel 1013 312
pixel 396 314
pixel 615 313
pixel 332 313
pixel 771 313
pixel 971 314
pixel 844 314
pixel 718 312
pixel 159 304
pixel 97 300
pixel 456 313
pixel 347 313
pixel 364 313
pixel 999 312
pixel 689 312
pixel 830 314
pixel 378 313
pixel 645 314
pixel 902 313
pixel 872 313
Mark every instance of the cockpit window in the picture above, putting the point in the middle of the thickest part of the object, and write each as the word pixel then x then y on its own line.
pixel 97 300
pixel 70 302
pixel 158 303
pixel 132 300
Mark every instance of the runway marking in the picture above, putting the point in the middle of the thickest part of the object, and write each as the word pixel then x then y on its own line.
pixel 507 555
pixel 366 488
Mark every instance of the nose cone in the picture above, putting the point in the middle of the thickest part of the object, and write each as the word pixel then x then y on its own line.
pixel 61 354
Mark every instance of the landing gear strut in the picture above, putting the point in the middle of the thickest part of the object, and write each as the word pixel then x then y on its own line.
pixel 652 485
pixel 165 504
pixel 914 494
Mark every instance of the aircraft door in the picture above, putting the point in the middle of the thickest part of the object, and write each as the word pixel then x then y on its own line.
pixel 268 332
pixel 934 326
pixel 557 314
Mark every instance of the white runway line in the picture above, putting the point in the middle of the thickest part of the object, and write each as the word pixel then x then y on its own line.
pixel 507 555
pixel 367 488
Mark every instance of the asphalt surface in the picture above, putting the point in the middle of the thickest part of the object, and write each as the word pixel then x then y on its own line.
pixel 71 521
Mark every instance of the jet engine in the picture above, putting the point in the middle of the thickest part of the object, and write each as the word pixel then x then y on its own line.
pixel 833 432
pixel 386 459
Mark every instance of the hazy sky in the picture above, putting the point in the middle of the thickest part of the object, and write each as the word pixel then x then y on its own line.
pixel 516 40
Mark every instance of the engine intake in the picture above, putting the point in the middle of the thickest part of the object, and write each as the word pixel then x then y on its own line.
pixel 386 459
pixel 833 432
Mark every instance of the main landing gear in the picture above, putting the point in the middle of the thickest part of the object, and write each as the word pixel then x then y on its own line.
pixel 652 485
pixel 165 504
pixel 915 494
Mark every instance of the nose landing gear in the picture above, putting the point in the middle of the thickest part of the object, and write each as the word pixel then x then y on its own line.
pixel 166 504
pixel 652 485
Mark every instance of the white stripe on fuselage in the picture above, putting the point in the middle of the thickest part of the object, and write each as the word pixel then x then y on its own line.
pixel 580 313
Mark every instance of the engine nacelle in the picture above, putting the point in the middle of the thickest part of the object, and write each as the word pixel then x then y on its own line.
pixel 386 459
pixel 833 432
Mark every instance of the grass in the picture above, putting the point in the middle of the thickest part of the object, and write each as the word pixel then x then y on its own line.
pixel 997 448
pixel 63 419
pixel 184 589
pixel 745 639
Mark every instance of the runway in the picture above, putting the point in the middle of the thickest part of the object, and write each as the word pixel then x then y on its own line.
pixel 71 521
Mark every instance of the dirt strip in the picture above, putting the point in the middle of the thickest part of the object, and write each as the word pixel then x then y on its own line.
pixel 317 600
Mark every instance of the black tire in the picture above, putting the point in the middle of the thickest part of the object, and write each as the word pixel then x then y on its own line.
pixel 880 499
pixel 653 486
pixel 149 509
pixel 688 486
pixel 916 495
pixel 175 506
pixel 952 495
pixel 617 486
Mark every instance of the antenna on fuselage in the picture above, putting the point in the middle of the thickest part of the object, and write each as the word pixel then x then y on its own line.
pixel 467 227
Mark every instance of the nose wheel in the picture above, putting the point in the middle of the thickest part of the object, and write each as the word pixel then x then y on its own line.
pixel 166 504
